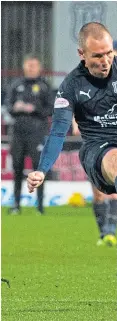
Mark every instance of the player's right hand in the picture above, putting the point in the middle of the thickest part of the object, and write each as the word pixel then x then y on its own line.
pixel 34 180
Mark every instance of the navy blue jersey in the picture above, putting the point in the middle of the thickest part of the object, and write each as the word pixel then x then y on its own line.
pixel 93 101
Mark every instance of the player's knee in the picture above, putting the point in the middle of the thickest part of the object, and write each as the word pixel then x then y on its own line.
pixel 98 196
pixel 113 196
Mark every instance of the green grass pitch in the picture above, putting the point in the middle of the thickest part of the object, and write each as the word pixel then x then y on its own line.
pixel 56 271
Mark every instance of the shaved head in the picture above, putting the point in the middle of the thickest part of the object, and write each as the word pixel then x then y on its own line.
pixel 95 30
pixel 96 49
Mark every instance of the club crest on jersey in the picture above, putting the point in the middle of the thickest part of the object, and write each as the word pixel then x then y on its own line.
pixel 35 88
pixel 61 103
pixel 114 84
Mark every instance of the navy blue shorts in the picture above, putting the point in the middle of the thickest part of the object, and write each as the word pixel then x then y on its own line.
pixel 91 155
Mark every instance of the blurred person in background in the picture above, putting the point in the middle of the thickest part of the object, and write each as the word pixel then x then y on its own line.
pixel 104 206
pixel 29 102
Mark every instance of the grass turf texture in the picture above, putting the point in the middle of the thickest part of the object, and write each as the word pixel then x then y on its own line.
pixel 55 269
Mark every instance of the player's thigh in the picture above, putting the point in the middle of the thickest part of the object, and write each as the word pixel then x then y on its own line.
pixel 112 197
pixel 109 165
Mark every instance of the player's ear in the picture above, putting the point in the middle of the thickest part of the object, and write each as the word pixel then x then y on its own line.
pixel 80 53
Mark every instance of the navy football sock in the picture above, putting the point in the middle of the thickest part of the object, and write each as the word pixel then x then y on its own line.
pixel 116 184
pixel 113 216
pixel 101 214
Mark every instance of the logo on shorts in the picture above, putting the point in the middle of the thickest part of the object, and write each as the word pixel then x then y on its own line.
pixel 114 84
pixel 105 144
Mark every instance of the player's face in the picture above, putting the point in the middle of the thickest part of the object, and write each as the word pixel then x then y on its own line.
pixel 32 68
pixel 98 55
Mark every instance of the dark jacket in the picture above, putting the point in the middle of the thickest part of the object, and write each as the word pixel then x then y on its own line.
pixel 29 96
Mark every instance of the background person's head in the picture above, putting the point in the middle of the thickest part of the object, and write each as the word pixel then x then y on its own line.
pixel 31 66
pixel 96 49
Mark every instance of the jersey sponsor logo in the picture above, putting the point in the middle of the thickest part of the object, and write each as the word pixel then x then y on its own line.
pixel 111 110
pixel 61 103
pixel 86 94
pixel 109 119
pixel 114 84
